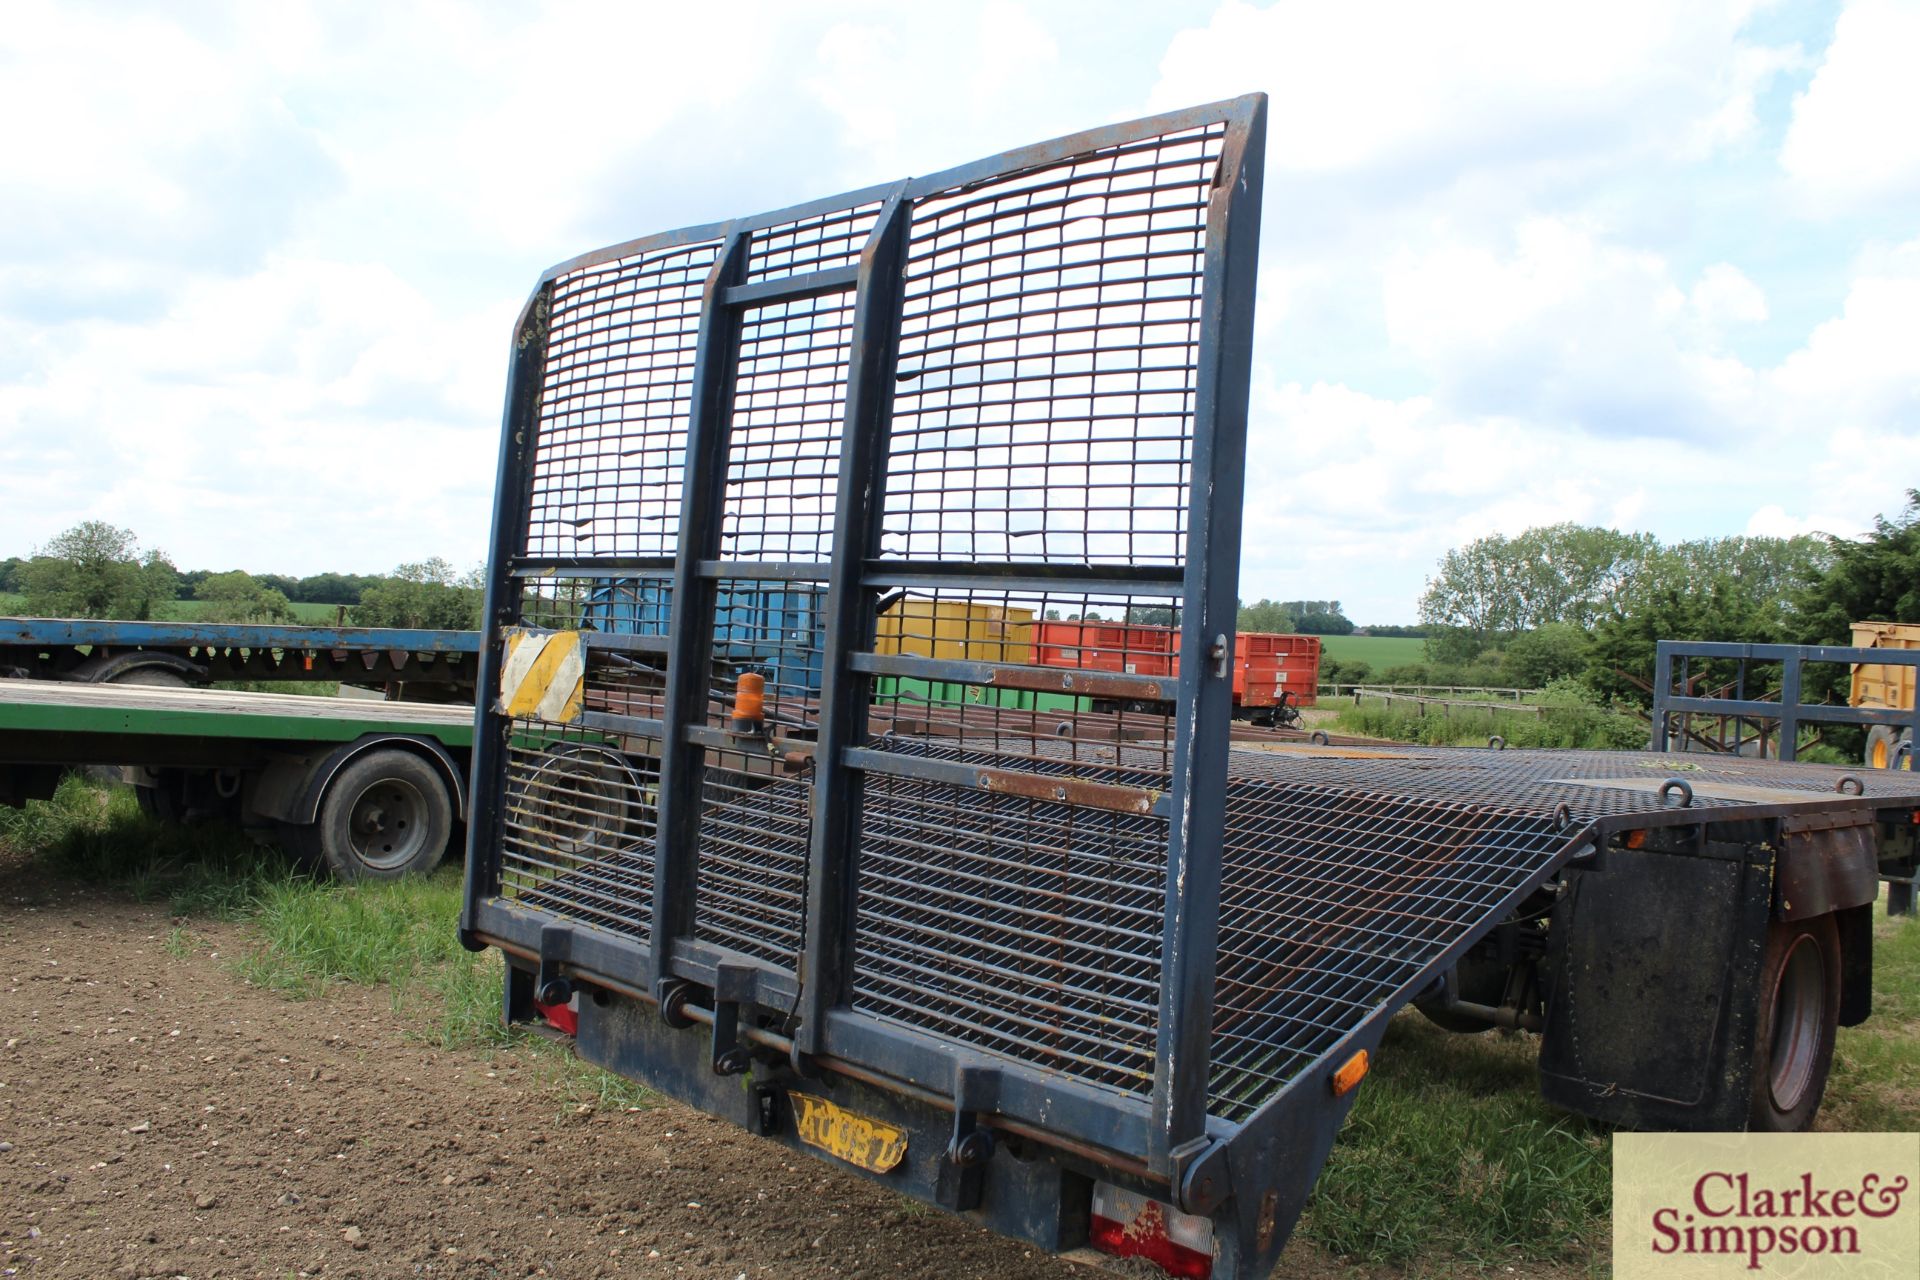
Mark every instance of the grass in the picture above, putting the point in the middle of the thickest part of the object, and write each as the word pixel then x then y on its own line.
pixel 1449 1161
pixel 1565 722
pixel 1875 1085
pixel 304 612
pixel 1378 652
pixel 308 935
pixel 1450 1152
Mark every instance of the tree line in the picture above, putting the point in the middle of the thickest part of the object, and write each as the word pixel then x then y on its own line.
pixel 1569 601
pixel 97 570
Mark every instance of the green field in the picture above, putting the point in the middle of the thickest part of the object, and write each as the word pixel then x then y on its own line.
pixel 314 615
pixel 1378 652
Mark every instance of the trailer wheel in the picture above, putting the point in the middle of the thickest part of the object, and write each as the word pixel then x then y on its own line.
pixel 387 814
pixel 1799 1012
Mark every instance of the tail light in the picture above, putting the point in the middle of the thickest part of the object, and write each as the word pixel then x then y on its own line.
pixel 1126 1225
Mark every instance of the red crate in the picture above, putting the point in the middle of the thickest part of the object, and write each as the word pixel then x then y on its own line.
pixel 1265 664
pixel 1127 647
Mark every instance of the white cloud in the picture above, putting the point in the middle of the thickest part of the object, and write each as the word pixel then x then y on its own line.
pixel 1854 139
pixel 1434 87
pixel 1571 329
pixel 1862 368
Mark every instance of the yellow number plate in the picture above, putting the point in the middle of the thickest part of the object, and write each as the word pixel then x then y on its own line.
pixel 864 1143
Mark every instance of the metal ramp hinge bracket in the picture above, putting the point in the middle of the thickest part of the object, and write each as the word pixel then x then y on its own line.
pixel 732 987
pixel 962 1175
pixel 550 986
pixel 1201 1180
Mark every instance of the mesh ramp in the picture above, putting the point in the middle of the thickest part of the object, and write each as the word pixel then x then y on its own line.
pixel 1033 929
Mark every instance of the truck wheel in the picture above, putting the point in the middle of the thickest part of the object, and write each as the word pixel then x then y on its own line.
pixel 1799 1012
pixel 387 814
pixel 583 802
pixel 140 667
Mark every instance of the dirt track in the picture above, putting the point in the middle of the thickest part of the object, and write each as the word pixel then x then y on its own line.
pixel 158 1117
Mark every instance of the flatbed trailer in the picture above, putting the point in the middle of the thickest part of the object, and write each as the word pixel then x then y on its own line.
pixel 367 788
pixel 1102 980
pixel 411 663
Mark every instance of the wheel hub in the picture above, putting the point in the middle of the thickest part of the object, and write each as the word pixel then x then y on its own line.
pixel 388 823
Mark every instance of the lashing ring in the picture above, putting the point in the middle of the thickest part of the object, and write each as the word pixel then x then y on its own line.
pixel 1681 786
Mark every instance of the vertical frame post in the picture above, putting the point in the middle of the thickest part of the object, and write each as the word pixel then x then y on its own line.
pixel 690 628
pixel 827 963
pixel 1789 707
pixel 1662 695
pixel 1210 602
pixel 519 429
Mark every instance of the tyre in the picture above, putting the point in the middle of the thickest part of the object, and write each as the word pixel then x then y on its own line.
pixel 1880 743
pixel 386 815
pixel 1799 1013
pixel 140 667
pixel 584 803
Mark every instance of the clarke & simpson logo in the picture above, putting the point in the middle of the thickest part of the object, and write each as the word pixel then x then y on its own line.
pixel 1782 1205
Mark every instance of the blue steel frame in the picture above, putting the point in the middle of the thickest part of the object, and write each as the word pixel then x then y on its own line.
pixel 1789 712
pixel 1165 1141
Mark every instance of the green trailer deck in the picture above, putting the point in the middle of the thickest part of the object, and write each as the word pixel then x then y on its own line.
pixel 143 711
pixel 362 786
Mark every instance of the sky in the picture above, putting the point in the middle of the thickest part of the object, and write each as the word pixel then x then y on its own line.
pixel 1647 265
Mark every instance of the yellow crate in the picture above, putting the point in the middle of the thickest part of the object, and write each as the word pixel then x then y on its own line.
pixel 955 629
pixel 1876 684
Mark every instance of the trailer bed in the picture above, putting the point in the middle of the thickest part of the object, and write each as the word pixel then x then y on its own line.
pixel 124 710
pixel 1349 875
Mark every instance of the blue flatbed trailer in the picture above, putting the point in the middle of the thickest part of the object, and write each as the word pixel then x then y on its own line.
pixel 419 664
pixel 1100 981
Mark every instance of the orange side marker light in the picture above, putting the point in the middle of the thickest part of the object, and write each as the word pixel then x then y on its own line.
pixel 1350 1074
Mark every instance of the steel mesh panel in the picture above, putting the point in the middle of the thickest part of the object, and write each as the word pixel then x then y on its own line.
pixel 755 816
pixel 1044 398
pixel 816 243
pixel 751 870
pixel 1020 927
pixel 783 439
pixel 609 452
pixel 1348 872
pixel 1060 732
pixel 578 835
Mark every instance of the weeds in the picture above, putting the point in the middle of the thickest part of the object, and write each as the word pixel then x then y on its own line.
pixel 1567 717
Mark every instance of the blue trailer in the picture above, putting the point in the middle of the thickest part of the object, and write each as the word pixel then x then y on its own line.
pixel 436 666
pixel 1108 991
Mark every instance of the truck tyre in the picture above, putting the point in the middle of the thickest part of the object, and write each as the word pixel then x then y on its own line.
pixel 585 802
pixel 1799 1013
pixel 386 815
pixel 140 667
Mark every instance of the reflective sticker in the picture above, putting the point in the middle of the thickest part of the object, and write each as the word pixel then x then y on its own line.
pixel 544 676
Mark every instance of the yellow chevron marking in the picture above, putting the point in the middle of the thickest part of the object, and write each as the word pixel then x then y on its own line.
pixel 544 676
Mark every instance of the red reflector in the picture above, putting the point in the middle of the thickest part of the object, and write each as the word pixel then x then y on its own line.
pixel 560 1017
pixel 1126 1225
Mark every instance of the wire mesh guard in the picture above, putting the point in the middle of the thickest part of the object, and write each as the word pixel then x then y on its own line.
pixel 1030 441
